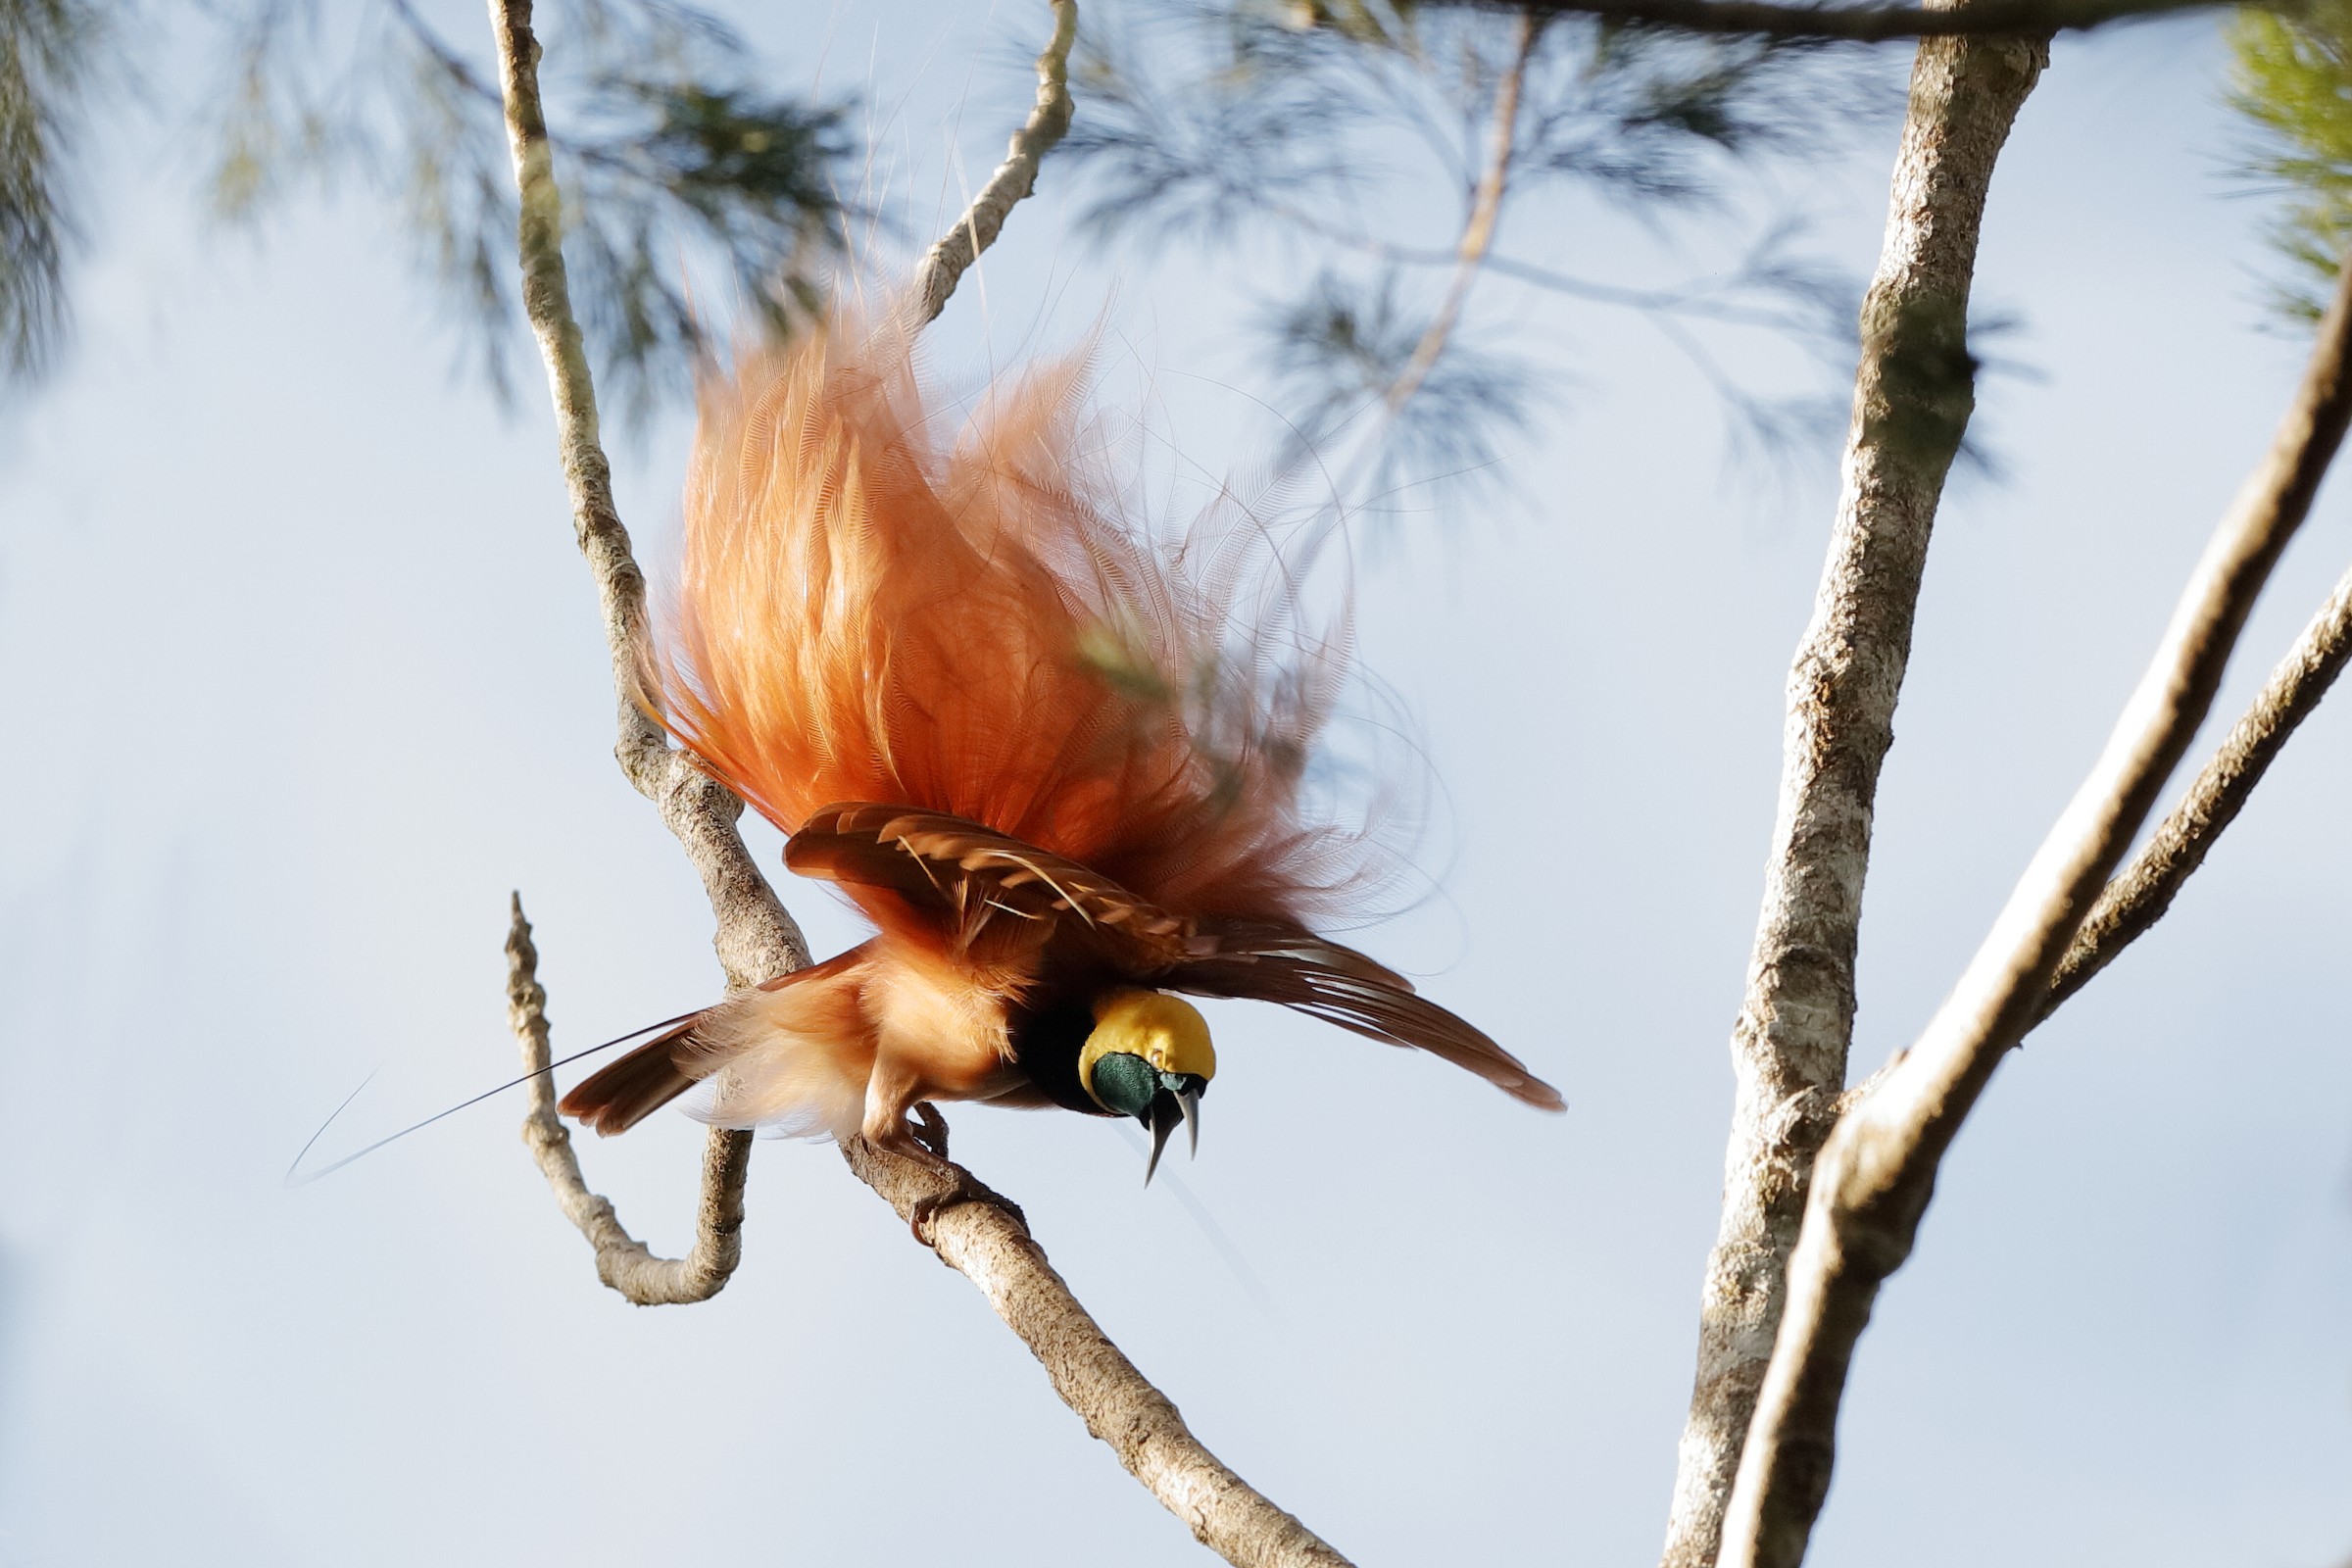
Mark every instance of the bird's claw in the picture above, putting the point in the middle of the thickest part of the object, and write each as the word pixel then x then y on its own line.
pixel 924 1142
pixel 930 1129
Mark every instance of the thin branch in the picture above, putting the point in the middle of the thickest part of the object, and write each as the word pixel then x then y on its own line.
pixel 756 940
pixel 980 1240
pixel 452 65
pixel 2138 895
pixel 994 1251
pixel 622 1261
pixel 946 263
pixel 1878 1170
pixel 445 59
pixel 1702 297
pixel 1478 228
pixel 1912 400
pixel 1863 23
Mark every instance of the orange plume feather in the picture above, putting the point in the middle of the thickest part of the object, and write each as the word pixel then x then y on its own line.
pixel 967 687
pixel 867 613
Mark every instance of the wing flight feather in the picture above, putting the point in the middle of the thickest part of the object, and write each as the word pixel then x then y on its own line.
pixel 948 865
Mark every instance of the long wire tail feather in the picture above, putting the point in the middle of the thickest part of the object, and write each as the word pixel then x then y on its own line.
pixel 617 1097
pixel 296 1177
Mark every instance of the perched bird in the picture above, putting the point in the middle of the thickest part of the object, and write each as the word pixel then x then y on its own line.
pixel 1057 765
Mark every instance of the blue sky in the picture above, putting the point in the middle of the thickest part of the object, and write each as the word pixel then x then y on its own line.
pixel 310 677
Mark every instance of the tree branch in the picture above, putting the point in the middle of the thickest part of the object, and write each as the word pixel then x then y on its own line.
pixel 2139 895
pixel 1878 1170
pixel 1478 228
pixel 1863 24
pixel 622 1261
pixel 1913 395
pixel 994 1251
pixel 756 940
pixel 979 1240
pixel 953 255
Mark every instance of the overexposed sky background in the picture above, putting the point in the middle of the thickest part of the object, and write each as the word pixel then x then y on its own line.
pixel 310 677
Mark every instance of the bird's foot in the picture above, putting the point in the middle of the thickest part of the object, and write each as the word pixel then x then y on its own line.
pixel 930 1128
pixel 927 1146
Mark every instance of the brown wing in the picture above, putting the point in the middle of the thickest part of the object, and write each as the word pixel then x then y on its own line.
pixel 1271 961
pixel 974 874
pixel 960 870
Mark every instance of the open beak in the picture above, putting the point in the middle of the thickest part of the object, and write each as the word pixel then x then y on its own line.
pixel 1164 1116
pixel 1178 1099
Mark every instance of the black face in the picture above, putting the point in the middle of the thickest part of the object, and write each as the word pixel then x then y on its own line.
pixel 1046 1038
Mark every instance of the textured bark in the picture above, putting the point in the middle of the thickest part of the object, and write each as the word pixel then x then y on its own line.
pixel 1878 1170
pixel 756 940
pixel 994 1250
pixel 2138 895
pixel 954 253
pixel 1912 399
pixel 622 1261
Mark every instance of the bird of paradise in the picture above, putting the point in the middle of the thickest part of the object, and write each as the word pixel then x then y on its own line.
pixel 1056 765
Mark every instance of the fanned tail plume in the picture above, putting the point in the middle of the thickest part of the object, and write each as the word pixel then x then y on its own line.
pixel 865 613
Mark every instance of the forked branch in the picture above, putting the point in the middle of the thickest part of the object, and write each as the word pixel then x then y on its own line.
pixel 1913 395
pixel 1878 1170
pixel 2138 895
pixel 756 939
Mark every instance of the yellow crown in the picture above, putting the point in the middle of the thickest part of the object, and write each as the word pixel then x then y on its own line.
pixel 1168 1032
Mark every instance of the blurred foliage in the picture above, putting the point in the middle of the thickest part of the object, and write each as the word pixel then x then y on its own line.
pixel 1316 124
pixel 2291 76
pixel 674 166
pixel 1340 349
pixel 49 58
pixel 667 156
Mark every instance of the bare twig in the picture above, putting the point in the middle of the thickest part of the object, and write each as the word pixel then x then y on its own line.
pixel 1912 400
pixel 2138 895
pixel 1701 298
pixel 756 940
pixel 622 1261
pixel 1862 24
pixel 1478 228
pixel 994 1251
pixel 947 259
pixel 1878 1170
